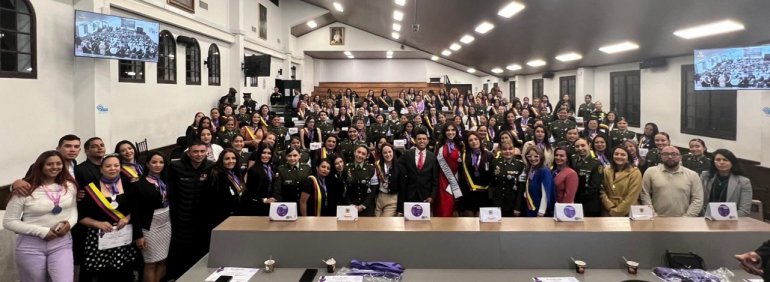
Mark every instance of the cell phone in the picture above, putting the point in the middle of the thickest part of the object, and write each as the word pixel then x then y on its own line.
pixel 308 275
pixel 224 278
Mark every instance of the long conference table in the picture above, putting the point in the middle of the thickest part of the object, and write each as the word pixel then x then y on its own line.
pixel 454 248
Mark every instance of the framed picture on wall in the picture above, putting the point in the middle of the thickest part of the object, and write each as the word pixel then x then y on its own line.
pixel 337 35
pixel 262 22
pixel 187 5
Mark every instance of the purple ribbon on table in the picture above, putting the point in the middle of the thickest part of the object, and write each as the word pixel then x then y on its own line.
pixel 382 266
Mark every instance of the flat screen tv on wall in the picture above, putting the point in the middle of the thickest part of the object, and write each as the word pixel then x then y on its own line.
pixel 113 37
pixel 743 68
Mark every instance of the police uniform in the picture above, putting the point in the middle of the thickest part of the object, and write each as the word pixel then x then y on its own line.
pixel 590 177
pixel 696 164
pixel 377 131
pixel 507 186
pixel 348 147
pixel 585 110
pixel 280 136
pixel 617 137
pixel 289 181
pixel 360 190
pixel 251 105
pixel 598 115
pixel 653 157
pixel 559 129
pixel 225 138
pixel 326 128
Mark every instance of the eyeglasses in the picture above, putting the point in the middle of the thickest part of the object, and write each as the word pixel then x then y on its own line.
pixel 670 155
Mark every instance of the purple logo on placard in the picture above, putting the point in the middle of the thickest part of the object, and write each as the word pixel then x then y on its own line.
pixel 723 210
pixel 417 210
pixel 569 211
pixel 282 210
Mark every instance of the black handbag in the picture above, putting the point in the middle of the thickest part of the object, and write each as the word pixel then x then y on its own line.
pixel 687 260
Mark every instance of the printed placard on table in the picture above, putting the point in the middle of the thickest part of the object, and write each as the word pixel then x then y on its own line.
pixel 722 211
pixel 346 213
pixel 641 212
pixel 344 129
pixel 315 145
pixel 293 130
pixel 568 212
pixel 417 211
pixel 282 211
pixel 399 143
pixel 390 109
pixel 490 215
pixel 445 109
pixel 404 111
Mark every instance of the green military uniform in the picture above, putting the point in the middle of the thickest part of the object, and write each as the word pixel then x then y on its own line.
pixel 507 186
pixel 653 157
pixel 359 189
pixel 280 136
pixel 326 128
pixel 225 138
pixel 568 145
pixel 376 131
pixel 617 137
pixel 585 110
pixel 243 120
pixel 598 115
pixel 289 181
pixel 696 164
pixel 348 147
pixel 590 178
pixel 559 129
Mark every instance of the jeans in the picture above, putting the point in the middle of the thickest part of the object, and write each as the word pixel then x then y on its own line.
pixel 38 259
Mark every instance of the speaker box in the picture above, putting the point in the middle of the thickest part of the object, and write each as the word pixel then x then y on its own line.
pixel 505 79
pixel 548 74
pixel 653 63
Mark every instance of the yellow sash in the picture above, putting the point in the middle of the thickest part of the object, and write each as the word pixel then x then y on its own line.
pixel 318 195
pixel 474 187
pixel 251 133
pixel 131 171
pixel 530 203
pixel 384 102
pixel 103 203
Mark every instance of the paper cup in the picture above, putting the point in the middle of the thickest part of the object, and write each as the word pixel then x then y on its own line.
pixel 580 266
pixel 331 265
pixel 633 267
pixel 269 265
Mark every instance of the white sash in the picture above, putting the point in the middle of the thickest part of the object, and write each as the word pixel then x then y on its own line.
pixel 453 187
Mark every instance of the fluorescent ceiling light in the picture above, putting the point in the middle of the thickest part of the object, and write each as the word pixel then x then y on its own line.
pixel 401 2
pixel 569 57
pixel 619 47
pixel 312 24
pixel 455 46
pixel 709 29
pixel 513 67
pixel 497 70
pixel 484 27
pixel 389 56
pixel 351 57
pixel 396 27
pixel 398 15
pixel 389 53
pixel 471 70
pixel 536 63
pixel 510 9
pixel 446 53
pixel 467 39
pixel 434 57
pixel 347 53
pixel 395 35
pixel 338 7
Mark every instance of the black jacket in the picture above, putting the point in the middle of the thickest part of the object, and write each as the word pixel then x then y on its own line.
pixel 222 196
pixel 145 198
pixel 188 206
pixel 258 187
pixel 417 185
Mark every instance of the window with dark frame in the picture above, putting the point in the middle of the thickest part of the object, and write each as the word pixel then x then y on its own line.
pixel 253 81
pixel 567 86
pixel 213 63
pixel 710 113
pixel 625 96
pixel 18 49
pixel 537 88
pixel 131 71
pixel 167 58
pixel 193 63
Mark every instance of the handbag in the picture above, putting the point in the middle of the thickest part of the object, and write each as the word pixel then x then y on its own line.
pixel 687 260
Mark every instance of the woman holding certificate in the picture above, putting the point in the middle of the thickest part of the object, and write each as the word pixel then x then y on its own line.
pixel 105 209
pixel 44 245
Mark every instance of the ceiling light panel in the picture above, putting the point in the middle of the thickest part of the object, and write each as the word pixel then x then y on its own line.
pixel 338 7
pixel 396 27
pixel 398 15
pixel 510 9
pixel 395 35
pixel 513 67
pixel 471 70
pixel 401 2
pixel 619 47
pixel 446 53
pixel 467 39
pixel 455 47
pixel 347 53
pixel 434 57
pixel 312 24
pixel 484 27
pixel 709 29
pixel 536 63
pixel 497 70
pixel 569 57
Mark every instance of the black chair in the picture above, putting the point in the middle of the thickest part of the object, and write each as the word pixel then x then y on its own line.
pixel 181 145
pixel 142 150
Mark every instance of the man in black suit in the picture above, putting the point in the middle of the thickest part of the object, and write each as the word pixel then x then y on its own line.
pixel 420 174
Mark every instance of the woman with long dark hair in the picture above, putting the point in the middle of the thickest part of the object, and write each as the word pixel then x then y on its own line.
pixel 314 198
pixel 151 221
pixel 192 130
pixel 540 140
pixel 254 132
pixel 647 140
pixel 565 178
pixel 224 189
pixel 599 147
pixel 696 159
pixel 448 152
pixel 387 172
pixel 310 133
pixel 475 176
pixel 622 184
pixel 725 182
pixel 130 168
pixel 259 184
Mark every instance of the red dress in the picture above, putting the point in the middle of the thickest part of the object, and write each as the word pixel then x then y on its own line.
pixel 445 204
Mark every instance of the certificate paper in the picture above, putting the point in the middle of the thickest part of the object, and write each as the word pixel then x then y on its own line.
pixel 239 274
pixel 341 279
pixel 116 238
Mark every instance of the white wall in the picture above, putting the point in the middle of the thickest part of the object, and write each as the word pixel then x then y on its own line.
pixel 275 39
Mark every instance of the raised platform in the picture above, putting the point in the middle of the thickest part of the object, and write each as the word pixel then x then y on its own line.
pixel 452 243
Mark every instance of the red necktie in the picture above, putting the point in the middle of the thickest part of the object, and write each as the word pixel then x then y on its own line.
pixel 420 161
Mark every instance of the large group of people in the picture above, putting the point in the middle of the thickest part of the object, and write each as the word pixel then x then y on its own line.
pixel 457 151
pixel 118 42
pixel 736 73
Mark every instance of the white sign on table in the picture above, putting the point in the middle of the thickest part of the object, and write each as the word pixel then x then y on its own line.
pixel 390 109
pixel 490 215
pixel 346 213
pixel 315 146
pixel 722 211
pixel 444 109
pixel 399 143
pixel 417 211
pixel 404 111
pixel 568 212
pixel 238 274
pixel 283 211
pixel 293 130
pixel 344 129
pixel 116 238
pixel 641 212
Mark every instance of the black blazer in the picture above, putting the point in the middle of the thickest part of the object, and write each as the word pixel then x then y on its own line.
pixel 222 198
pixel 417 185
pixel 145 199
pixel 393 176
pixel 520 130
pixel 258 187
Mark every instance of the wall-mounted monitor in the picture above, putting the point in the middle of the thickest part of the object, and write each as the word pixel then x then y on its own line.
pixel 113 37
pixel 744 68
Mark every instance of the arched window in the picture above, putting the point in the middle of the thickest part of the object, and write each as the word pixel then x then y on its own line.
pixel 213 63
pixel 193 63
pixel 18 51
pixel 167 58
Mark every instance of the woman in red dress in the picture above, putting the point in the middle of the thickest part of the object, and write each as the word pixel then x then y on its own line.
pixel 448 153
